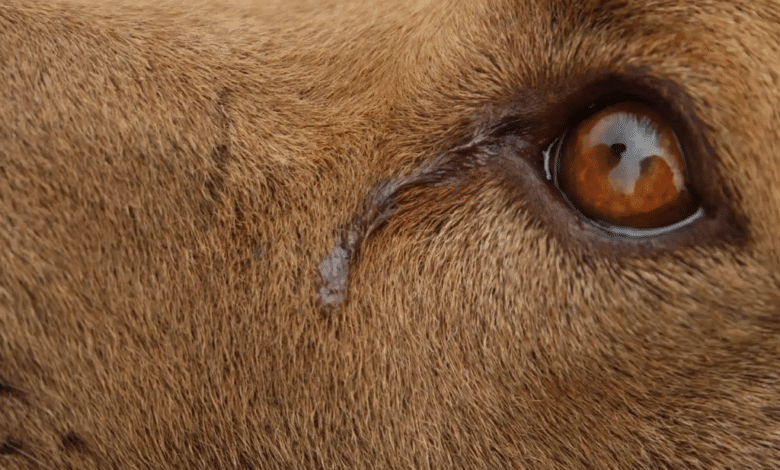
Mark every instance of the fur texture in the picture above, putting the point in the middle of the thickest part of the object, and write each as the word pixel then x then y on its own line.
pixel 177 179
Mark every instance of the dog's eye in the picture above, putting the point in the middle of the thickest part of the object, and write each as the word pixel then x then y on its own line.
pixel 622 168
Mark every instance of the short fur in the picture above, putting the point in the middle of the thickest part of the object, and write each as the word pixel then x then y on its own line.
pixel 294 234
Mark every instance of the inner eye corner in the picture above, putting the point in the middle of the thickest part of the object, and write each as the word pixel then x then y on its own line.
pixel 620 165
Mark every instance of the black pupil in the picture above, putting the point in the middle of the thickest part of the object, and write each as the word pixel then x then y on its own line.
pixel 616 150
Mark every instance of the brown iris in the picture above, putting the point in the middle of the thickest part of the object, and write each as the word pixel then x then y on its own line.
pixel 623 166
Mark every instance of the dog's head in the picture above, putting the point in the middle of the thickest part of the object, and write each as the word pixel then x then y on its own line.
pixel 486 234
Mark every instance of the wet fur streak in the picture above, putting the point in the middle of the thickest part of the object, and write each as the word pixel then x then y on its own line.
pixel 319 235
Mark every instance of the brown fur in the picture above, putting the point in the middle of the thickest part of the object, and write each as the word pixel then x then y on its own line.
pixel 173 180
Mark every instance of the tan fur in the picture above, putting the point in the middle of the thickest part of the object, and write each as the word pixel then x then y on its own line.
pixel 173 175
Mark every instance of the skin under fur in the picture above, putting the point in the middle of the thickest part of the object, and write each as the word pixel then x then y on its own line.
pixel 299 234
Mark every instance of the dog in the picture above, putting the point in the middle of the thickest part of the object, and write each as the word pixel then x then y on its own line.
pixel 525 234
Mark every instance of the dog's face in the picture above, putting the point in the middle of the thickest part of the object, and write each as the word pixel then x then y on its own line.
pixel 358 234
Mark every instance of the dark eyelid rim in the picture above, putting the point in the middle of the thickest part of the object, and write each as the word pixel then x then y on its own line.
pixel 524 127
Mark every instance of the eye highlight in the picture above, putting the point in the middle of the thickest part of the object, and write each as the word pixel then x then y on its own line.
pixel 623 170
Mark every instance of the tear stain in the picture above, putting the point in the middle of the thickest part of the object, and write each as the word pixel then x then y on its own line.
pixel 377 208
pixel 379 205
